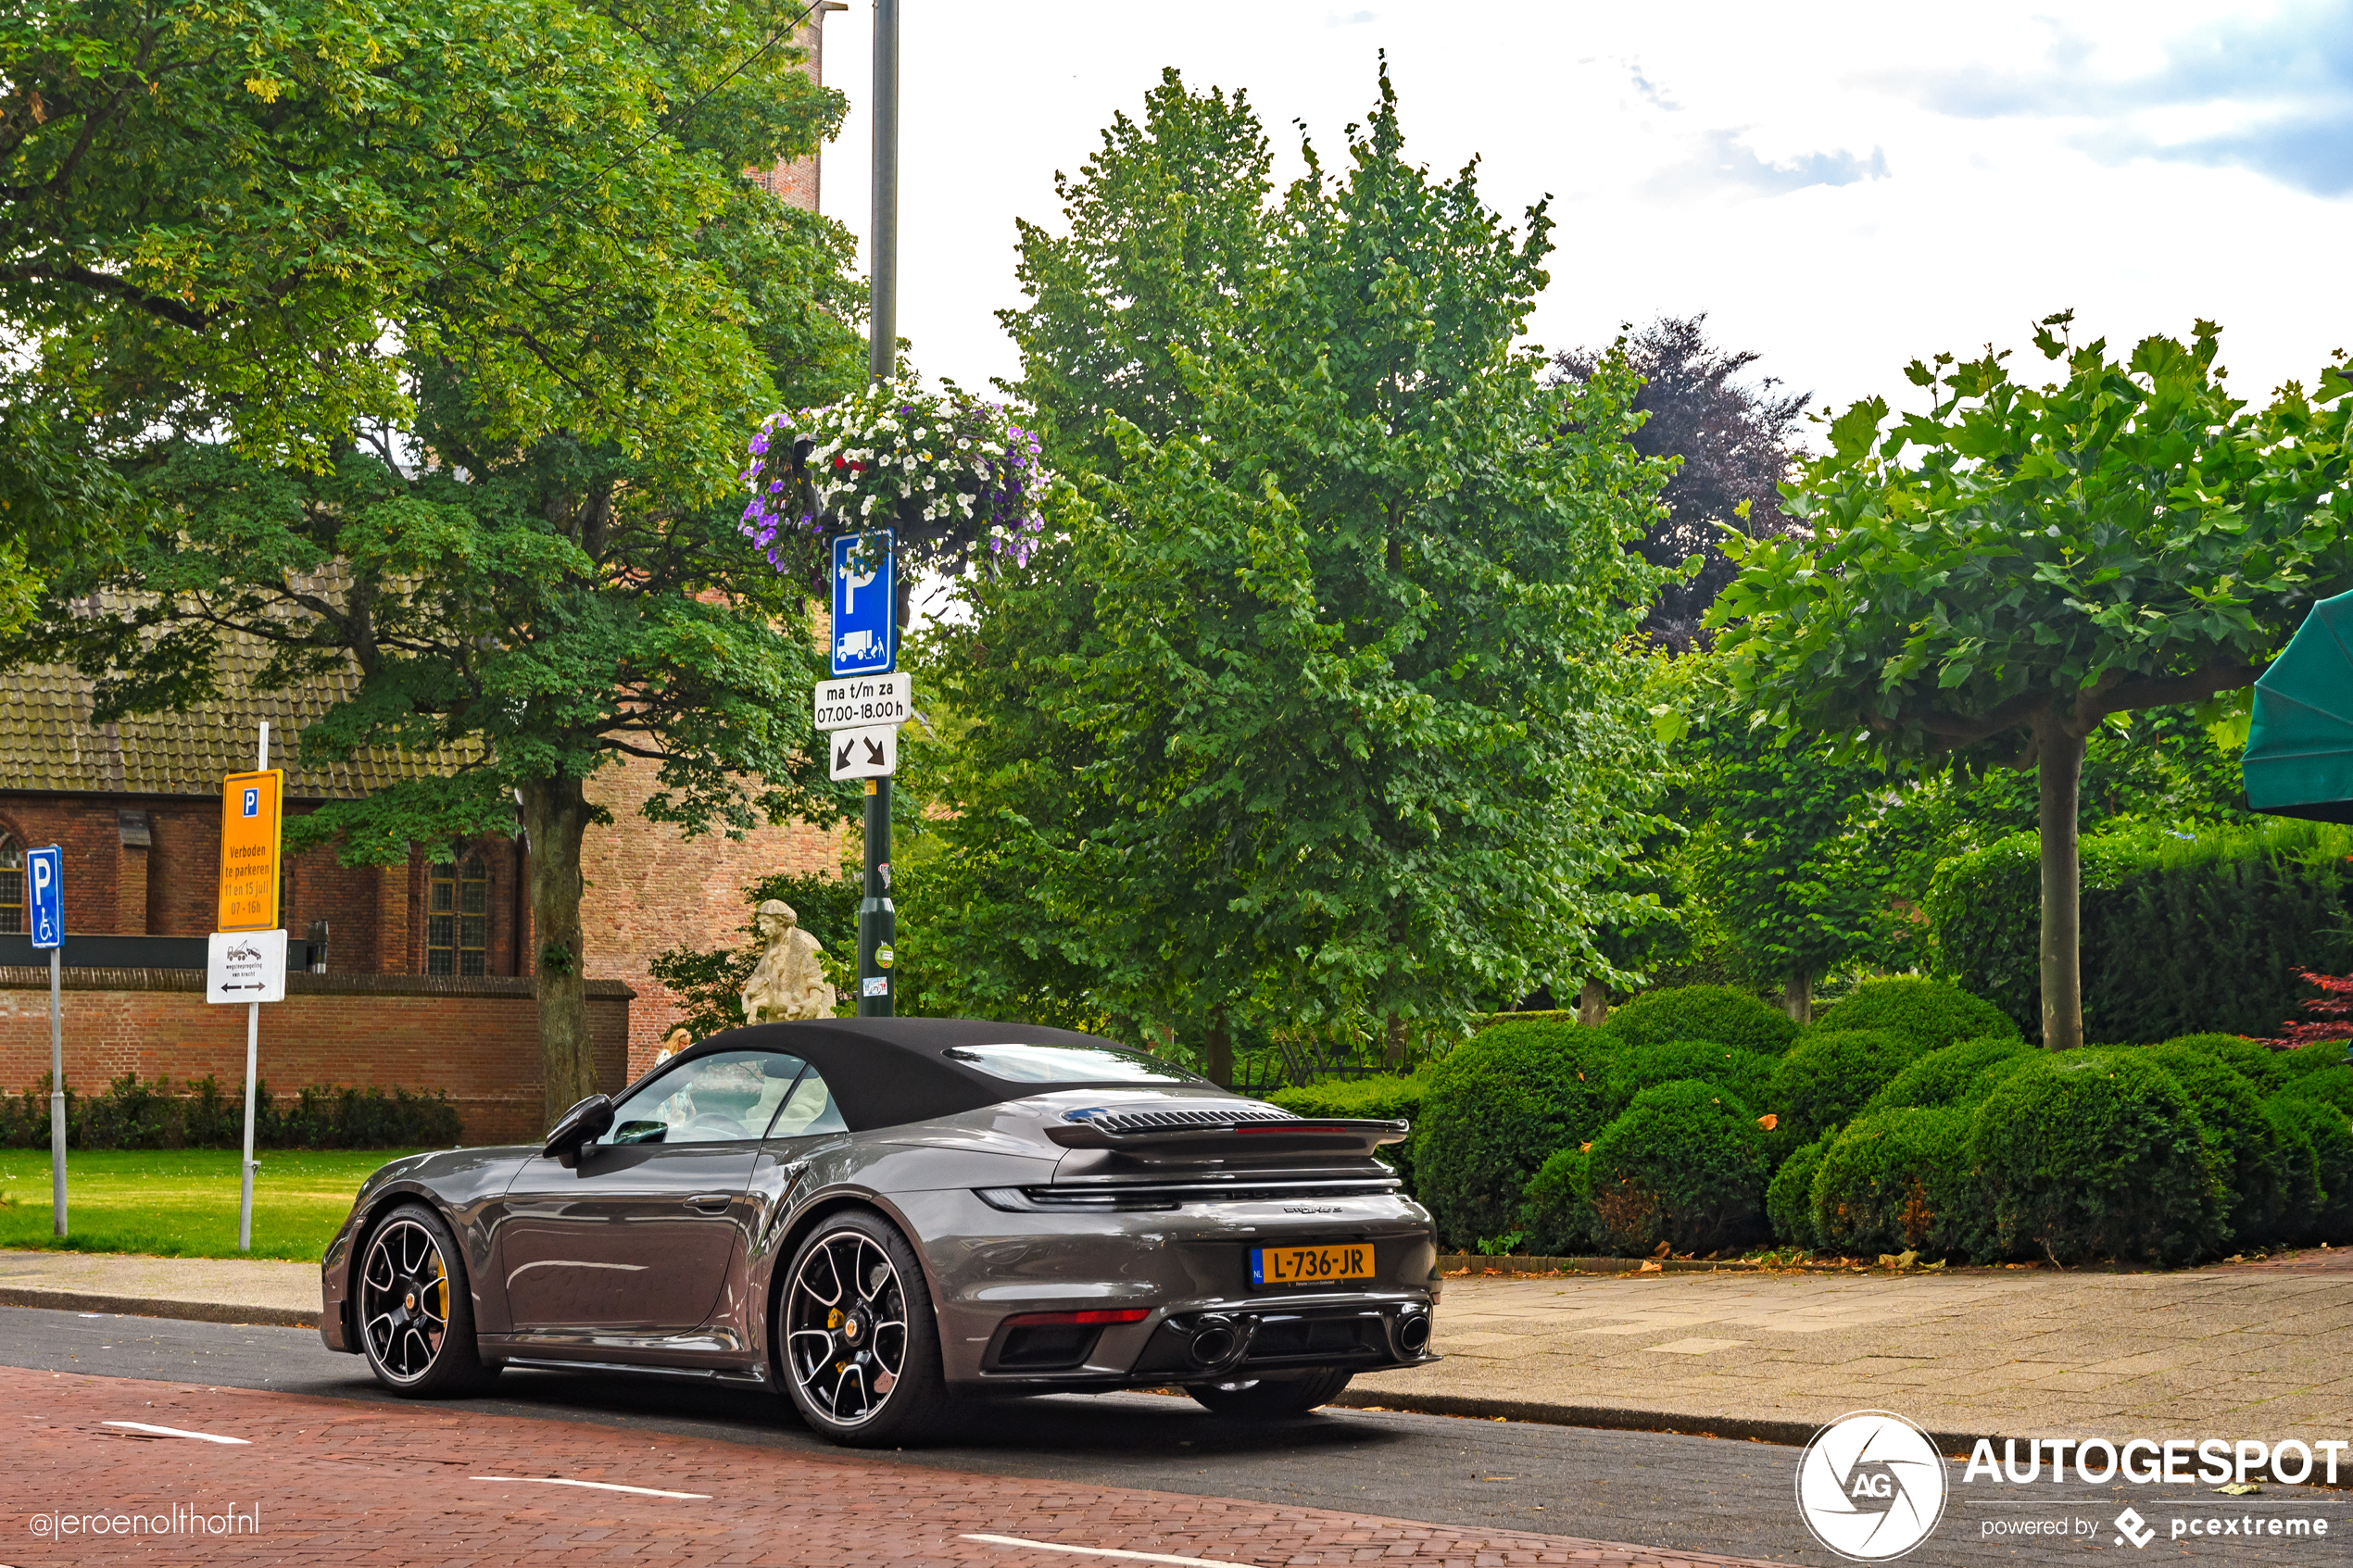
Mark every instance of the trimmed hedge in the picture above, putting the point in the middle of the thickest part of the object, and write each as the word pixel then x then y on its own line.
pixel 1685 1165
pixel 1827 1077
pixel 2327 1132
pixel 1928 1011
pixel 2267 1069
pixel 1898 1180
pixel 1701 1012
pixel 2333 1085
pixel 1495 1108
pixel 2248 1156
pixel 1788 1196
pixel 2178 936
pixel 2094 1154
pixel 1557 1215
pixel 152 1114
pixel 1745 1073
pixel 1959 1074
pixel 1384 1098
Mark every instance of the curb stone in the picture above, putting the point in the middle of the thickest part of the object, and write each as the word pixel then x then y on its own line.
pixel 1610 1418
pixel 1478 1263
pixel 152 1307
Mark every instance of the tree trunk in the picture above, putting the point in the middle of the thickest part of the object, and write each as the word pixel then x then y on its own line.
pixel 1797 996
pixel 1395 1056
pixel 1592 1003
pixel 555 813
pixel 2059 771
pixel 1221 1053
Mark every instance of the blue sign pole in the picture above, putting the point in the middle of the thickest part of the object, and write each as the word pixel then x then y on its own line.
pixel 866 642
pixel 44 875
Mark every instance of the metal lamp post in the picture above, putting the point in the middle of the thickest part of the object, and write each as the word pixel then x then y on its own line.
pixel 877 920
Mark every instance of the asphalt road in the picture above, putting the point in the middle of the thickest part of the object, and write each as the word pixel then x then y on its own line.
pixel 1694 1494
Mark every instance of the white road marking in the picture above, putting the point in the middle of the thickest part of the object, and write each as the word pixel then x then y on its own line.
pixel 176 1431
pixel 1108 1551
pixel 595 1486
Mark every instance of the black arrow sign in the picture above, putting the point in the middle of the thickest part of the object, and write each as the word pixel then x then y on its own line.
pixel 875 757
pixel 841 758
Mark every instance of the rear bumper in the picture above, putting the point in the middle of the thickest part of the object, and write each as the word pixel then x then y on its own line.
pixel 1189 1271
pixel 1273 1337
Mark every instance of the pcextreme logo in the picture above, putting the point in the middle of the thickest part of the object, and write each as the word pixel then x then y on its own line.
pixel 1871 1486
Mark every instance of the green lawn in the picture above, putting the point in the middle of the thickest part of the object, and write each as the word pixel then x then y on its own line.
pixel 183 1202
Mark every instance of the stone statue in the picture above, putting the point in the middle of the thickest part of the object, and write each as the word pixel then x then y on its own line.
pixel 788 982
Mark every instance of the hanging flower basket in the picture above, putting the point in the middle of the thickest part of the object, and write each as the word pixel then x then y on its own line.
pixel 956 477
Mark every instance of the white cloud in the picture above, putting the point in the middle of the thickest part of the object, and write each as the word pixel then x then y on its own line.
pixel 1901 180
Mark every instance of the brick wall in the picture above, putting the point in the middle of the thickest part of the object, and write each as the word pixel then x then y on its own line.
pixel 476 1039
pixel 796 184
pixel 651 889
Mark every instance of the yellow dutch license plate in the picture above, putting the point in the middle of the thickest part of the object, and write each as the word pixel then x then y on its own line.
pixel 1311 1265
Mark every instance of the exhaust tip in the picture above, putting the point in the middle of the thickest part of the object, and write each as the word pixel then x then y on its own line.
pixel 1413 1332
pixel 1215 1342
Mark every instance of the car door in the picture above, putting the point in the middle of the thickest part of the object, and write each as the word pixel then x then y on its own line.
pixel 637 1235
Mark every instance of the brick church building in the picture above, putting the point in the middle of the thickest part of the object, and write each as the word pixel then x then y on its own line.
pixel 414 977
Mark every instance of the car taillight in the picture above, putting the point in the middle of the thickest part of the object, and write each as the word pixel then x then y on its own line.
pixel 1045 1320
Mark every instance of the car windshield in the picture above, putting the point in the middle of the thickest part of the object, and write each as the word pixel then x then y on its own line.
pixel 1069 1064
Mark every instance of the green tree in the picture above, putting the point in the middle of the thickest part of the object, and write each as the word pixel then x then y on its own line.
pixel 1787 852
pixel 2128 536
pixel 1163 235
pixel 1332 664
pixel 540 569
pixel 256 223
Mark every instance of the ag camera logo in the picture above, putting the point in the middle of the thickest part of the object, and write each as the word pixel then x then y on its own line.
pixel 1871 1486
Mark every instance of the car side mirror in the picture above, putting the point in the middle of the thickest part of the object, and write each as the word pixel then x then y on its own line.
pixel 592 1118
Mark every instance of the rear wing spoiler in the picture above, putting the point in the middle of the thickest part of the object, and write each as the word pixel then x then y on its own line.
pixel 1358 1135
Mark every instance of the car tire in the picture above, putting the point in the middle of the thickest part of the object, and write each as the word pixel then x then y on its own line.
pixel 1268 1398
pixel 857 1344
pixel 414 1308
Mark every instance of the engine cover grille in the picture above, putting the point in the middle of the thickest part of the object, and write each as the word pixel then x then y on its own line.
pixel 1155 1120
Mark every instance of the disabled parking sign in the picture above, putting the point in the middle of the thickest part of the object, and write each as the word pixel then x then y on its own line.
pixel 865 603
pixel 44 877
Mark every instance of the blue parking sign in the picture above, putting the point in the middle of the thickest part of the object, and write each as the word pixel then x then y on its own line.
pixel 44 875
pixel 865 603
pixel 252 801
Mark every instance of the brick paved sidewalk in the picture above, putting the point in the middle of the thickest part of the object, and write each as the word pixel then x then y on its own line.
pixel 2254 1348
pixel 345 1483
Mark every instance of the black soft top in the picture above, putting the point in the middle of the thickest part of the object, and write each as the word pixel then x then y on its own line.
pixel 890 1072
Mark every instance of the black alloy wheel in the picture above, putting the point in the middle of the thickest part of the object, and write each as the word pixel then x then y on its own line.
pixel 1270 1398
pixel 415 1315
pixel 860 1347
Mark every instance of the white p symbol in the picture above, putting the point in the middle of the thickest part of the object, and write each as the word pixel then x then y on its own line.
pixel 253 802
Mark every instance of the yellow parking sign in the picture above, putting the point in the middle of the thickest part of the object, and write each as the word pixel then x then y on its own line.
pixel 249 850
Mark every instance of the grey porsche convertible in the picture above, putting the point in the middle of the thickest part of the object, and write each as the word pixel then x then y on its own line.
pixel 882 1217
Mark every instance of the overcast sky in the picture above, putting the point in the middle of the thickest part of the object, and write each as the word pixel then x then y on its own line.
pixel 1838 188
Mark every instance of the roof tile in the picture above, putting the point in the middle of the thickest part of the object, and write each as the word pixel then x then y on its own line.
pixel 47 741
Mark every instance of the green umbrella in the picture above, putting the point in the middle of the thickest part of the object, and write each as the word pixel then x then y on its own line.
pixel 2299 748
